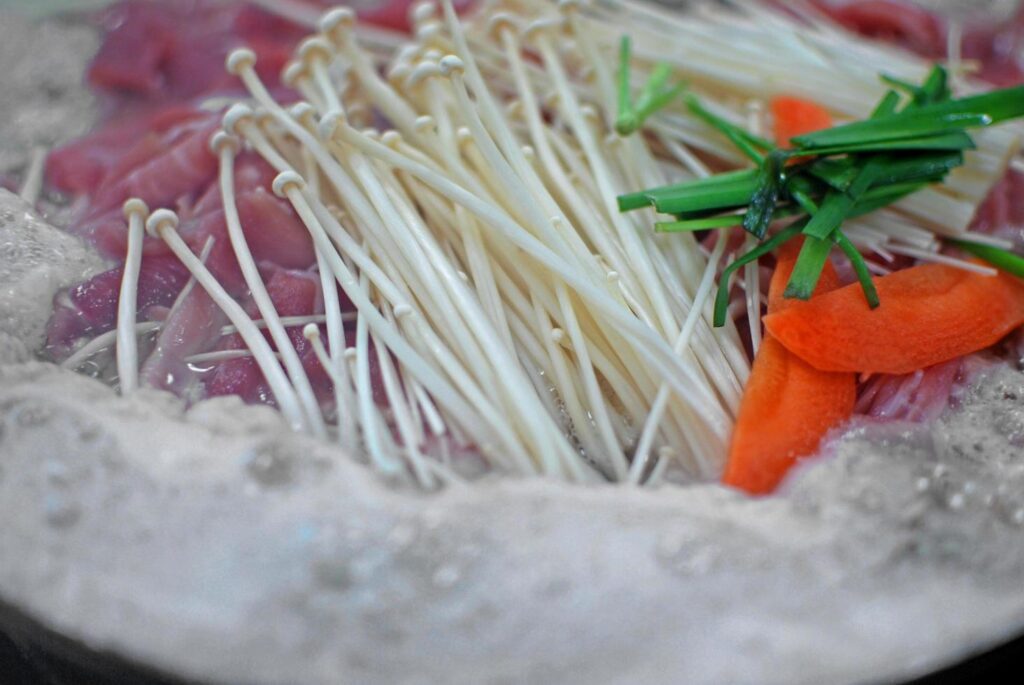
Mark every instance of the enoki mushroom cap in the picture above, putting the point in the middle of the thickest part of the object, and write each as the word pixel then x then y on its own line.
pixel 422 11
pixel 504 21
pixel 569 6
pixel 315 48
pixel 427 32
pixel 304 113
pixel 311 331
pixel 221 140
pixel 463 136
pixel 391 138
pixel 240 60
pixel 330 123
pixel 541 27
pixel 421 72
pixel 236 114
pixel 335 21
pixel 452 65
pixel 287 181
pixel 135 207
pixel 424 123
pixel 293 73
pixel 161 220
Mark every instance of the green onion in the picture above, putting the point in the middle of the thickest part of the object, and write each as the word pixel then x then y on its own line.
pixel 625 122
pixel 807 269
pixel 653 95
pixel 943 117
pixel 860 267
pixel 746 142
pixel 951 140
pixel 690 190
pixel 887 105
pixel 833 175
pixel 722 297
pixel 720 221
pixel 997 257
pixel 762 202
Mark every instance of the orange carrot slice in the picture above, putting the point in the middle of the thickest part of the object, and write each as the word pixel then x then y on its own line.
pixel 929 314
pixel 788 405
pixel 795 117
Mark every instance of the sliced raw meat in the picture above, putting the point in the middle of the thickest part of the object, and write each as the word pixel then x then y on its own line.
pixel 192 326
pixel 899 22
pixel 90 308
pixel 183 170
pixel 923 395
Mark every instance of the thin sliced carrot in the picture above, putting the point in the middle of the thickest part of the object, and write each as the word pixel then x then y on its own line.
pixel 788 405
pixel 795 116
pixel 929 314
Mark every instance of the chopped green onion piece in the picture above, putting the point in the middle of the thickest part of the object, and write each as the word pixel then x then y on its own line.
pixel 744 178
pixel 625 122
pixel 655 84
pixel 702 196
pixel 935 88
pixel 887 105
pixel 762 202
pixel 837 205
pixel 720 221
pixel 943 117
pixel 877 198
pixel 653 96
pixel 951 140
pixel 901 85
pixel 745 141
pixel 830 215
pixel 860 267
pixel 807 269
pixel 840 173
pixel 726 221
pixel 1001 259
pixel 722 297
pixel 658 101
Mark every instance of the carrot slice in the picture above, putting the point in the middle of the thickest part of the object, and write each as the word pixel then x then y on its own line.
pixel 795 117
pixel 929 314
pixel 788 405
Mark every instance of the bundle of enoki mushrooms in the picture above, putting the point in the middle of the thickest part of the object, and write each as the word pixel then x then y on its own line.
pixel 493 299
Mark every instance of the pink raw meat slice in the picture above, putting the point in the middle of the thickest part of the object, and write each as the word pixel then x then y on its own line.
pixel 273 230
pixel 193 326
pixel 140 37
pixel 239 377
pixel 899 22
pixel 250 172
pixel 183 171
pixel 293 294
pixel 80 166
pixel 994 44
pixel 922 395
pixel 149 54
pixel 1002 212
pixel 90 308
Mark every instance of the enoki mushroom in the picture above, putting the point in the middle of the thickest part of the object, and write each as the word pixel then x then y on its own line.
pixel 505 302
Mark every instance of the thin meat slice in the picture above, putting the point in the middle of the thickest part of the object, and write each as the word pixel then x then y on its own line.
pixel 293 294
pixel 80 166
pixel 903 23
pixel 90 308
pixel 273 230
pixel 192 326
pixel 184 170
